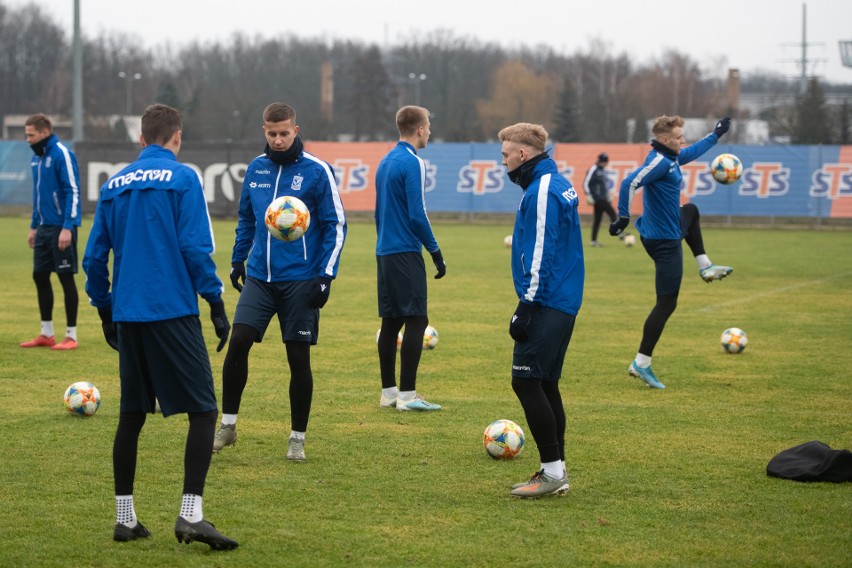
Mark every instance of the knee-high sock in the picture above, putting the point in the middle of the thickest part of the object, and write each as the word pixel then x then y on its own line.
pixel 197 454
pixel 235 367
pixel 540 417
pixel 124 451
pixel 301 384
pixel 410 352
pixel 387 350
pixel 656 322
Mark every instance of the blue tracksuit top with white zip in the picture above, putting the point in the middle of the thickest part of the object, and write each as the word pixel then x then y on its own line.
pixel 317 253
pixel 547 248
pixel 401 221
pixel 56 186
pixel 661 179
pixel 153 216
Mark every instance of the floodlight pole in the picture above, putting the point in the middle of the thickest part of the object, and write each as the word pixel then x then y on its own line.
pixel 77 87
pixel 129 78
pixel 417 79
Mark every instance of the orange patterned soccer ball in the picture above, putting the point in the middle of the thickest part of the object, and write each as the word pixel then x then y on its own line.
pixel 82 399
pixel 726 168
pixel 734 340
pixel 287 218
pixel 503 439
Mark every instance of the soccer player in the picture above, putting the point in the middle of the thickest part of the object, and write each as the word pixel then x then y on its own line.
pixel 402 230
pixel 153 216
pixel 53 228
pixel 289 279
pixel 548 272
pixel 598 195
pixel 663 225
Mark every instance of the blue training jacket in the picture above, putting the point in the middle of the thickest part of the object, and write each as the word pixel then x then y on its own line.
pixel 661 179
pixel 317 253
pixel 153 216
pixel 401 221
pixel 56 186
pixel 547 247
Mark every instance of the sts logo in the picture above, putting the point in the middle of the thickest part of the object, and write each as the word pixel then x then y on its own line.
pixel 832 181
pixel 565 170
pixel 765 179
pixel 697 179
pixel 431 176
pixel 352 174
pixel 480 177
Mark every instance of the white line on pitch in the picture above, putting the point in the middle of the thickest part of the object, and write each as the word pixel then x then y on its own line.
pixel 779 290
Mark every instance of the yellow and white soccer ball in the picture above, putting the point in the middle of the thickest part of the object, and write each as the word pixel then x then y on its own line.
pixel 507 241
pixel 82 398
pixel 629 240
pixel 726 168
pixel 287 218
pixel 734 340
pixel 503 439
pixel 430 337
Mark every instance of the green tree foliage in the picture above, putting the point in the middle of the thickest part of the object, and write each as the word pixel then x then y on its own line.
pixel 567 126
pixel 813 122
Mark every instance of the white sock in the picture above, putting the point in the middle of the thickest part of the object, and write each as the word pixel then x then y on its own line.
pixel 643 361
pixel 297 435
pixel 190 508
pixel 391 392
pixel 703 261
pixel 71 332
pixel 406 396
pixel 124 511
pixel 554 470
pixel 47 328
pixel 229 419
pixel 565 469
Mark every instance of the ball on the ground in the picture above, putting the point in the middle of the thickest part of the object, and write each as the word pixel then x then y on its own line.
pixel 629 240
pixel 726 168
pixel 287 218
pixel 82 398
pixel 503 439
pixel 734 340
pixel 507 241
pixel 430 337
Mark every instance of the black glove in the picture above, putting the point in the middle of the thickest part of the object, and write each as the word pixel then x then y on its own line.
pixel 722 126
pixel 518 327
pixel 617 227
pixel 220 323
pixel 438 259
pixel 238 272
pixel 110 332
pixel 320 288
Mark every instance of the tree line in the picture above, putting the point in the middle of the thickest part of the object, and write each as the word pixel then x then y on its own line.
pixel 472 88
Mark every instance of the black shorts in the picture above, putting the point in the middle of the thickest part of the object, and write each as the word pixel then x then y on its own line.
pixel 167 359
pixel 259 301
pixel 401 285
pixel 668 262
pixel 543 354
pixel 46 254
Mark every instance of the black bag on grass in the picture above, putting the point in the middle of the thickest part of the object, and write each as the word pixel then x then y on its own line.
pixel 812 461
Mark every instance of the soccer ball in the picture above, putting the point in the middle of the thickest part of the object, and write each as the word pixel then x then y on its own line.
pixel 430 337
pixel 82 398
pixel 629 240
pixel 507 241
pixel 503 439
pixel 398 338
pixel 734 340
pixel 726 168
pixel 287 218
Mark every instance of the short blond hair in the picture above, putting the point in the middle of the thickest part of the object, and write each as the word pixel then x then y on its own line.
pixel 533 135
pixel 410 118
pixel 665 124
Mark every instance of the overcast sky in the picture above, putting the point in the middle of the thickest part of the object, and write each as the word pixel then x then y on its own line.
pixel 748 34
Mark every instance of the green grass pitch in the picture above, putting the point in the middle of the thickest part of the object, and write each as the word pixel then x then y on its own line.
pixel 658 478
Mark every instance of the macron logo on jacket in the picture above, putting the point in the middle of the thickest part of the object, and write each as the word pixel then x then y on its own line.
pixel 140 175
